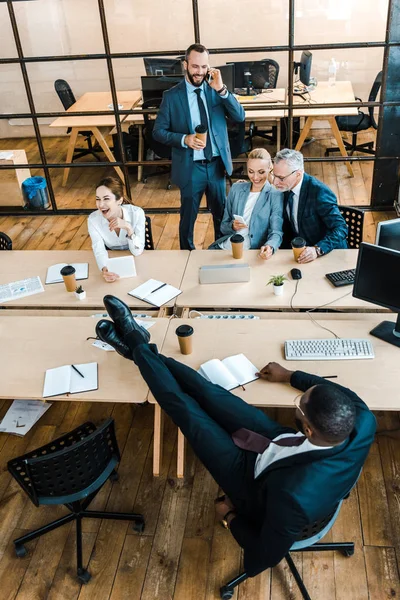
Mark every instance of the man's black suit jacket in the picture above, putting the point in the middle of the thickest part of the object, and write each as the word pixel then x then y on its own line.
pixel 295 491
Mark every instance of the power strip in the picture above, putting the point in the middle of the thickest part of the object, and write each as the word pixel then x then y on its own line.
pixel 227 317
pixel 138 315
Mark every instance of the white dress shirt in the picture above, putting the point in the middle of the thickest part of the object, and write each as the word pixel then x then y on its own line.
pixel 275 452
pixel 247 212
pixel 296 197
pixel 102 238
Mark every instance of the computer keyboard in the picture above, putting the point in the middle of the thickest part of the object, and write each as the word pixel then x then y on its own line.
pixel 331 349
pixel 340 278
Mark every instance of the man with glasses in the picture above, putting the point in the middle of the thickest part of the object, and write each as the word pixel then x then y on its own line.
pixel 277 480
pixel 310 208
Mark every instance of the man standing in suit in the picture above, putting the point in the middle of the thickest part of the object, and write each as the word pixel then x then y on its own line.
pixel 277 480
pixel 310 208
pixel 198 167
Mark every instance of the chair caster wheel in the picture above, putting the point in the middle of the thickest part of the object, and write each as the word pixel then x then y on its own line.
pixel 169 186
pixel 114 476
pixel 20 550
pixel 144 180
pixel 348 552
pixel 84 576
pixel 138 526
pixel 226 593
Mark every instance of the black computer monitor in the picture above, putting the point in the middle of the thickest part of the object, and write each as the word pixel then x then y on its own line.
pixel 388 234
pixel 154 86
pixel 228 75
pixel 163 66
pixel 259 74
pixel 377 280
pixel 305 67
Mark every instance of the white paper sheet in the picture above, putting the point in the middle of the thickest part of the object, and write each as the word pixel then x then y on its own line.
pixel 20 289
pixel 22 415
pixel 124 266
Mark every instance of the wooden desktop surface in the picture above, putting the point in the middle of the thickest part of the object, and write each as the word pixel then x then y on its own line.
pixel 341 92
pixel 313 289
pixel 33 344
pixel 165 265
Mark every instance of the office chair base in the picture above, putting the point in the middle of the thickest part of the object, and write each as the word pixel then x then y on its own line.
pixel 83 576
pixel 20 550
pixel 85 152
pixel 367 148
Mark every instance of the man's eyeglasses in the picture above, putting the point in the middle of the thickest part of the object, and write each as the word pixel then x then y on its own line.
pixel 296 402
pixel 279 177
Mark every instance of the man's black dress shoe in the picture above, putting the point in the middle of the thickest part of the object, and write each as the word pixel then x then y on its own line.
pixel 124 322
pixel 106 331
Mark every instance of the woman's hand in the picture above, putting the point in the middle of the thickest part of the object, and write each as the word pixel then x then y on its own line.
pixel 266 252
pixel 108 276
pixel 238 225
pixel 118 223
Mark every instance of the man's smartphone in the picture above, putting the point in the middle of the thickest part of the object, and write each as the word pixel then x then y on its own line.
pixel 209 77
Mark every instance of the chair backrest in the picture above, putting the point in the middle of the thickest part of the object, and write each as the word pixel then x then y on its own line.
pixel 376 86
pixel 159 149
pixel 265 74
pixel 69 468
pixel 354 218
pixel 65 93
pixel 236 136
pixel 5 241
pixel 148 236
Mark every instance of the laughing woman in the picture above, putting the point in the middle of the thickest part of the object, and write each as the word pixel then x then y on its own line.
pixel 115 225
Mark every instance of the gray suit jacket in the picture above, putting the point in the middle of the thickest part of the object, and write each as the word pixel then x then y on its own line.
pixel 173 121
pixel 266 221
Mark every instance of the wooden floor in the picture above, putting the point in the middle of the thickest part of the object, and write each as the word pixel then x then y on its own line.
pixel 183 554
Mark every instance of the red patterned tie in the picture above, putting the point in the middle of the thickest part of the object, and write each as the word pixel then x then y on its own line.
pixel 255 442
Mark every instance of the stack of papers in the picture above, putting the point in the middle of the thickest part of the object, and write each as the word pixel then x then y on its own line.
pixel 20 289
pixel 155 292
pixel 22 415
pixel 54 275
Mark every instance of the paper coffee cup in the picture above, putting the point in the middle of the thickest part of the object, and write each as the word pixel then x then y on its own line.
pixel 185 337
pixel 237 245
pixel 298 245
pixel 201 133
pixel 68 274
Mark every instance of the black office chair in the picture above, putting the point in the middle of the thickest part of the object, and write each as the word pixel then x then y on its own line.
pixel 239 142
pixel 354 218
pixel 148 235
pixel 160 150
pixel 360 122
pixel 71 470
pixel 5 241
pixel 307 543
pixel 265 78
pixel 67 98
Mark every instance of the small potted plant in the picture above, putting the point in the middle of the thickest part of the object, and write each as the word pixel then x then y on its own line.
pixel 80 293
pixel 277 282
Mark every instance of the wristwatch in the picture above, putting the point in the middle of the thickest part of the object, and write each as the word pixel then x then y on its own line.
pixel 224 521
pixel 223 90
pixel 318 250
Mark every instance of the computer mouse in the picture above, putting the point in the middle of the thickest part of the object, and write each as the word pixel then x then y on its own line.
pixel 296 274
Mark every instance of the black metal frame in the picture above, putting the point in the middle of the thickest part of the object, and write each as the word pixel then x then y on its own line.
pixel 388 45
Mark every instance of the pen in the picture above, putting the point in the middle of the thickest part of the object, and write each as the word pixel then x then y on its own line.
pixel 159 288
pixel 329 377
pixel 75 369
pixel 243 387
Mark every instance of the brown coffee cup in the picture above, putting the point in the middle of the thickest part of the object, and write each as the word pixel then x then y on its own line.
pixel 298 245
pixel 201 133
pixel 68 274
pixel 185 337
pixel 237 245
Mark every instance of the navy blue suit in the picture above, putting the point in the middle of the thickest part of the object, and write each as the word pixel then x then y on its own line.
pixel 319 220
pixel 194 178
pixel 292 492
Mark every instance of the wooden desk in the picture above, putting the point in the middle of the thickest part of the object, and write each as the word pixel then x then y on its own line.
pixel 313 289
pixel 18 158
pixel 375 381
pixel 100 126
pixel 341 92
pixel 165 265
pixel 33 344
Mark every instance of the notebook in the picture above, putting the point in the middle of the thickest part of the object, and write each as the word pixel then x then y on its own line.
pixel 54 275
pixel 65 380
pixel 155 292
pixel 124 266
pixel 229 373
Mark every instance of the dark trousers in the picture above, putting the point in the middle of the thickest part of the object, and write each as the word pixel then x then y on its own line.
pixel 207 416
pixel 206 178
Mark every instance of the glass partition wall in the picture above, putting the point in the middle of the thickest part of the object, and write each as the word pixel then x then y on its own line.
pixel 88 57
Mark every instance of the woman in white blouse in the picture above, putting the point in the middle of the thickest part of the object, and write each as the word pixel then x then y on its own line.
pixel 115 225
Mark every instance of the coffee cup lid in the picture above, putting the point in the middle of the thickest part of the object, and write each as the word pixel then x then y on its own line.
pixel 201 129
pixel 237 238
pixel 298 242
pixel 67 270
pixel 184 330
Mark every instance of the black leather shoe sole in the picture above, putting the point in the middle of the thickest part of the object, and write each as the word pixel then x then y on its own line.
pixel 106 331
pixel 124 322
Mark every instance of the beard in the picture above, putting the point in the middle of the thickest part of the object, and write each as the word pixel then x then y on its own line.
pixel 299 425
pixel 195 82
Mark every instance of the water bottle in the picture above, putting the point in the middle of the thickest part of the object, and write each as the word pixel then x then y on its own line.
pixel 332 72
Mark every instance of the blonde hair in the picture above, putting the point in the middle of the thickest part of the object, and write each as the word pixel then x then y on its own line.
pixel 260 153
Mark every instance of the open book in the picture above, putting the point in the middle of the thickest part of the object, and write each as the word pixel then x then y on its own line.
pixel 70 380
pixel 229 373
pixel 54 275
pixel 155 292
